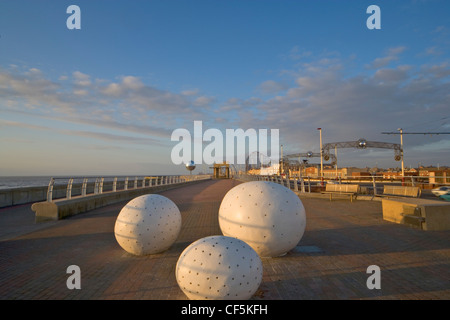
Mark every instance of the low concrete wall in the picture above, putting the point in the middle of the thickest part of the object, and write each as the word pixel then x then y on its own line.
pixel 62 208
pixel 15 196
pixel 11 197
pixel 421 213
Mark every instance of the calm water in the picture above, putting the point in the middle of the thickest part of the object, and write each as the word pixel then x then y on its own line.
pixel 18 182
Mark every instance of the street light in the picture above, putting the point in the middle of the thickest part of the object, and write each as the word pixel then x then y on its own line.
pixel 321 155
pixel 401 146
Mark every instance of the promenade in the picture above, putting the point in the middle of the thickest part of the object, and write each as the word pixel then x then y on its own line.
pixel 342 239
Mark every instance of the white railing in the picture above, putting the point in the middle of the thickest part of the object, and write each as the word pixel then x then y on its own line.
pixel 292 183
pixel 371 184
pixel 82 186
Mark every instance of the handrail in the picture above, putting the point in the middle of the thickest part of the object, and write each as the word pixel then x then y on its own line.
pixel 371 182
pixel 114 184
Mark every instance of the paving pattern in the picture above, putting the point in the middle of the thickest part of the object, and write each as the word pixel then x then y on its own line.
pixel 342 239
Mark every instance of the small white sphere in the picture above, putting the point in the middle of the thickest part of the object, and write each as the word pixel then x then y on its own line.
pixel 219 268
pixel 268 216
pixel 148 224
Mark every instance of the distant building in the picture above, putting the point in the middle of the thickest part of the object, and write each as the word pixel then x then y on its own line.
pixel 435 175
pixel 273 169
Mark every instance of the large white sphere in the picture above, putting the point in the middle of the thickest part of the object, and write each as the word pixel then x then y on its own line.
pixel 148 224
pixel 219 268
pixel 268 216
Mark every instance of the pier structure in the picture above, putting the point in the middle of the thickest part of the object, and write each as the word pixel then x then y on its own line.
pixel 342 241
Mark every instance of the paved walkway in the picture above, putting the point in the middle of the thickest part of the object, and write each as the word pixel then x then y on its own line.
pixel 341 241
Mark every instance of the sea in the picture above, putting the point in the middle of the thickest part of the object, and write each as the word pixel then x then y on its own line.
pixel 21 182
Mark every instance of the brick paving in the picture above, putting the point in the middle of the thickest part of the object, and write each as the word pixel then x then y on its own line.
pixel 345 237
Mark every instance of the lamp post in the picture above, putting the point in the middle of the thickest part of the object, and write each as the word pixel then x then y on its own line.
pixel 401 146
pixel 321 156
pixel 281 168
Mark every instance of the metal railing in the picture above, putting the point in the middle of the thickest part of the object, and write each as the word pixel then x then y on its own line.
pixel 370 184
pixel 289 182
pixel 84 186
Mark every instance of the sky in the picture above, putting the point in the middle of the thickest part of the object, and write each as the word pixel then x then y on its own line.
pixel 105 99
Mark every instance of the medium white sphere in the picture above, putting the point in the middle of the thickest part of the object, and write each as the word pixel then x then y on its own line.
pixel 148 224
pixel 268 216
pixel 219 268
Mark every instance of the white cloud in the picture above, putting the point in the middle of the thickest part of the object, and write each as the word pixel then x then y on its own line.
pixel 272 87
pixel 203 101
pixel 125 104
pixel 193 92
pixel 81 79
pixel 315 92
pixel 392 55
pixel 362 105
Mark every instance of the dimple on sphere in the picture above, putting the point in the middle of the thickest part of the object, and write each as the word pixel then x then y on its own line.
pixel 219 268
pixel 268 216
pixel 148 224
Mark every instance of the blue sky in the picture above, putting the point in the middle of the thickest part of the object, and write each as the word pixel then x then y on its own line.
pixel 105 99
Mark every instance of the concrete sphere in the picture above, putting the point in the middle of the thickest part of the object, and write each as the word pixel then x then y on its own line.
pixel 219 268
pixel 148 224
pixel 268 216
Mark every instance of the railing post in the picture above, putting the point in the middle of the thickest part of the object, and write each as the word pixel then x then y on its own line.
pixel 69 189
pixel 309 184
pixel 125 187
pixel 84 187
pixel 114 189
pixel 374 185
pixel 135 182
pixel 295 185
pixel 96 186
pixel 50 190
pixel 100 189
